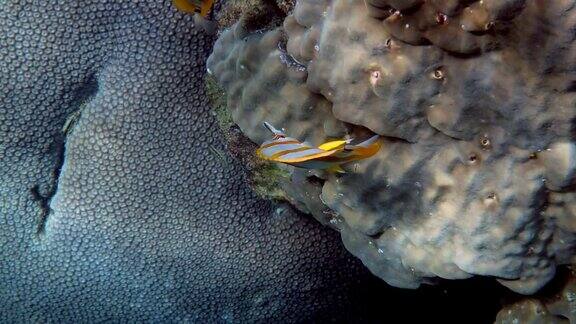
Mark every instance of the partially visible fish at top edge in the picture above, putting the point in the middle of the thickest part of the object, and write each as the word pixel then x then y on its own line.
pixel 194 6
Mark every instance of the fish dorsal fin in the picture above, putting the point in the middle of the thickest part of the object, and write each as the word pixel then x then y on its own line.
pixel 273 130
pixel 333 145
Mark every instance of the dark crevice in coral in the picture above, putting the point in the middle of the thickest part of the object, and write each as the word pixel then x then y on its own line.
pixel 258 22
pixel 44 199
pixel 82 95
pixel 571 86
pixel 573 129
pixel 375 236
pixel 253 15
pixel 288 60
pixel 44 206
pixel 315 180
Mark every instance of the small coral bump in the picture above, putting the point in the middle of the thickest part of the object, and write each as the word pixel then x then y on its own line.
pixel 375 77
pixel 438 74
pixel 390 44
pixel 473 158
pixel 485 142
pixel 441 19
pixel 395 16
pixel 491 199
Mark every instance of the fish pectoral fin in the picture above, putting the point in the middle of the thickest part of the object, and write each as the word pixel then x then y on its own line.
pixel 336 169
pixel 333 145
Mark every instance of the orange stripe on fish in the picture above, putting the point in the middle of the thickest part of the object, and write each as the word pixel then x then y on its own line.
pixel 277 155
pixel 278 143
pixel 284 159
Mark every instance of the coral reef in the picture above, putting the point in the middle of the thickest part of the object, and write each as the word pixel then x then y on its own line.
pixel 557 304
pixel 264 83
pixel 113 207
pixel 476 176
pixel 217 98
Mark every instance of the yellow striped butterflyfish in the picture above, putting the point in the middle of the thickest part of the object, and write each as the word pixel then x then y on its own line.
pixel 328 156
pixel 194 6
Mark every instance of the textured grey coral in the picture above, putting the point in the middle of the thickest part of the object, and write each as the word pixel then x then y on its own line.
pixel 276 93
pixel 126 215
pixel 557 304
pixel 476 102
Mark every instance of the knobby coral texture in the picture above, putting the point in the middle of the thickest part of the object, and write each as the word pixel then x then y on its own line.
pixel 112 206
pixel 554 304
pixel 475 101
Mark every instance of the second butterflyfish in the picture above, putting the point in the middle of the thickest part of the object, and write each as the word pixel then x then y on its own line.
pixel 328 156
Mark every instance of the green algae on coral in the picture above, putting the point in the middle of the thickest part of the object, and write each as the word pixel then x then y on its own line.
pixel 217 97
pixel 267 180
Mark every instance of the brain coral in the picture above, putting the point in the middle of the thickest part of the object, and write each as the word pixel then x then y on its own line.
pixel 476 103
pixel 112 206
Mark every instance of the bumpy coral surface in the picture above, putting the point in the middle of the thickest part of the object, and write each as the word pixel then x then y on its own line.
pixel 113 207
pixel 264 83
pixel 475 100
pixel 556 304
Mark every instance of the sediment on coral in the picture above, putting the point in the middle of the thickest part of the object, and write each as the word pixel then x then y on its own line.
pixel 477 174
